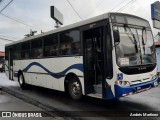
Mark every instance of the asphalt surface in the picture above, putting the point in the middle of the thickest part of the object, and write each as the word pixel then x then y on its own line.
pixel 88 108
pixel 13 106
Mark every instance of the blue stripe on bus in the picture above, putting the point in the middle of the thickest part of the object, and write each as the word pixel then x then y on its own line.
pixel 119 91
pixel 55 75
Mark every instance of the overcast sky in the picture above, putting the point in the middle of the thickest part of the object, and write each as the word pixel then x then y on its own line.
pixel 36 14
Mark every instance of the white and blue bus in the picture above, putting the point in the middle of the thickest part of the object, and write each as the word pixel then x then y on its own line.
pixel 108 56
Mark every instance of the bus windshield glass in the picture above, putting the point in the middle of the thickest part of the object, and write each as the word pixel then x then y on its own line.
pixel 135 47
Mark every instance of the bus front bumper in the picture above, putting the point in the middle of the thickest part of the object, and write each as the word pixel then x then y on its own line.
pixel 133 89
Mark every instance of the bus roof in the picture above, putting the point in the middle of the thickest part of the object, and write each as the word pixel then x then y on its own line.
pixel 74 25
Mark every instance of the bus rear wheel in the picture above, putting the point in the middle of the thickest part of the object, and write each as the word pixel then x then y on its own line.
pixel 75 88
pixel 21 81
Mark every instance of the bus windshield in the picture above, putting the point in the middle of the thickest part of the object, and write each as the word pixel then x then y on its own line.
pixel 135 47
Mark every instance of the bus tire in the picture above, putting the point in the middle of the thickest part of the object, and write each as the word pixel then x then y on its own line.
pixel 75 88
pixel 21 81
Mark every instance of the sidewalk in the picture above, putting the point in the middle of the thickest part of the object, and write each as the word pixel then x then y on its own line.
pixel 10 103
pixel 12 89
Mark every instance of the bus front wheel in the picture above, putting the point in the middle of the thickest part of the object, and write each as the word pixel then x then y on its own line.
pixel 75 88
pixel 21 81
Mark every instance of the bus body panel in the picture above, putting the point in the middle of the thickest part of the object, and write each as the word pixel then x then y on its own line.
pixel 49 72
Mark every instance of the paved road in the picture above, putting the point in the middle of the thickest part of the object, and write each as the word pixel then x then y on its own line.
pixel 14 106
pixel 146 101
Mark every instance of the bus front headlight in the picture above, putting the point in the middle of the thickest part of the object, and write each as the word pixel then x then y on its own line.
pixel 154 77
pixel 122 83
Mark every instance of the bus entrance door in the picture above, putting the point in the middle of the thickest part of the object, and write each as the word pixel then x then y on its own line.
pixel 93 43
pixel 10 64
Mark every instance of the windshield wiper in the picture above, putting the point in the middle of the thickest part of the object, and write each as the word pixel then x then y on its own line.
pixel 134 38
pixel 143 43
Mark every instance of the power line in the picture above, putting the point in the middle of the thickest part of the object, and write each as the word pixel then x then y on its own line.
pixel 95 7
pixel 131 2
pixel 114 7
pixel 7 39
pixel 1 2
pixel 74 10
pixel 118 5
pixel 19 21
pixel 15 19
pixel 83 5
pixel 6 6
pixel 129 5
pixel 123 7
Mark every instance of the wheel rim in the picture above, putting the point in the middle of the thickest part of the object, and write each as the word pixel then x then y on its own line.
pixel 21 80
pixel 75 88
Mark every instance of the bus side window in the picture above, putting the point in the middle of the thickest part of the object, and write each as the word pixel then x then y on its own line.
pixel 25 50
pixel 17 52
pixel 36 48
pixel 70 42
pixel 73 49
pixel 51 45
pixel 63 49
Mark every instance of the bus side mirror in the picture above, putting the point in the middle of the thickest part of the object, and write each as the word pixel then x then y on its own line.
pixel 116 36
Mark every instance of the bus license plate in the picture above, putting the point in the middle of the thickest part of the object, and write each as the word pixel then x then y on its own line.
pixel 138 88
